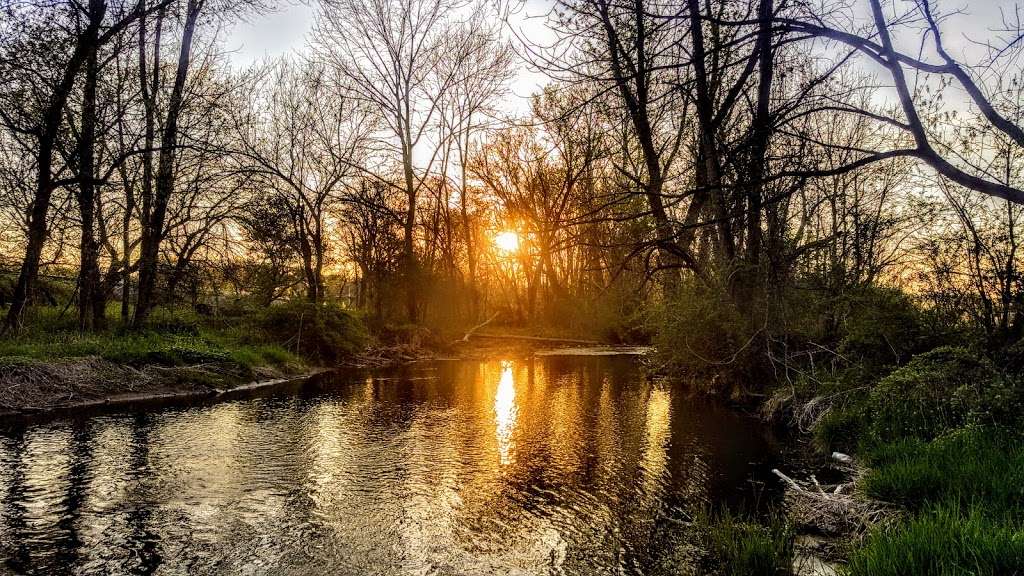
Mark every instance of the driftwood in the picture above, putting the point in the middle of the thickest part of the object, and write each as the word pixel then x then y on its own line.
pixel 472 330
pixel 541 339
pixel 832 509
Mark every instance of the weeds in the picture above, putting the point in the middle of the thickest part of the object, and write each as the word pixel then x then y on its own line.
pixel 746 547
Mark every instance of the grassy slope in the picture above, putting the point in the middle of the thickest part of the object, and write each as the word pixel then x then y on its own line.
pixel 175 338
pixel 964 496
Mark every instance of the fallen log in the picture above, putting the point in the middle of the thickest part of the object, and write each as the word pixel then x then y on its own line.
pixel 541 339
pixel 475 328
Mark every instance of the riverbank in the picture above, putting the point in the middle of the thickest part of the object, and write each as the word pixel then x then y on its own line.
pixel 53 368
pixel 36 389
pixel 932 486
pixel 73 371
pixel 179 353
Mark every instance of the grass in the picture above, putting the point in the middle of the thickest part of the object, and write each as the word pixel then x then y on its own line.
pixel 738 546
pixel 964 493
pixel 944 541
pixel 943 438
pixel 972 467
pixel 173 338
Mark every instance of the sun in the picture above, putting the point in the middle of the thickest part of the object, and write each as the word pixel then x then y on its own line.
pixel 507 241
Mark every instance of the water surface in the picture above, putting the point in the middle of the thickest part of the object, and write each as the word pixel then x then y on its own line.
pixel 552 465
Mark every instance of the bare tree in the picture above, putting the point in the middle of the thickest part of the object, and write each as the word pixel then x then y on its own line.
pixel 90 26
pixel 301 140
pixel 468 109
pixel 402 57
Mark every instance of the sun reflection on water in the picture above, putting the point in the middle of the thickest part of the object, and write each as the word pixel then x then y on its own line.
pixel 505 413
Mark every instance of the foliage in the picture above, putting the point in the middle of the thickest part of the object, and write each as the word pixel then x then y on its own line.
pixel 176 320
pixel 704 334
pixel 618 315
pixel 880 327
pixel 843 426
pixel 940 390
pixel 324 333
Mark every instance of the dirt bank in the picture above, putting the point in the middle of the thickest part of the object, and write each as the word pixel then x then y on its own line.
pixel 32 387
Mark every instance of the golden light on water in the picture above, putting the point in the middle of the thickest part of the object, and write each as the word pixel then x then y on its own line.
pixel 505 413
pixel 507 241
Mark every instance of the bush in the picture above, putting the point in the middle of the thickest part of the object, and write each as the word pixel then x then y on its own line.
pixel 177 320
pixel 843 426
pixel 617 315
pixel 1011 358
pixel 704 335
pixel 322 332
pixel 938 391
pixel 881 327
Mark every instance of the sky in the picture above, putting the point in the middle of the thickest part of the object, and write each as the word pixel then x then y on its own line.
pixel 286 30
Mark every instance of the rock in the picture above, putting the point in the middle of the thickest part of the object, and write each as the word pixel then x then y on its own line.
pixel 842 458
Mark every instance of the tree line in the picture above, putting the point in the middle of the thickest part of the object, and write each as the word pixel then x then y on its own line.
pixel 742 146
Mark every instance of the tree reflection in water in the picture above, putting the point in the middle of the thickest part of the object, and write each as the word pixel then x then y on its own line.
pixel 579 465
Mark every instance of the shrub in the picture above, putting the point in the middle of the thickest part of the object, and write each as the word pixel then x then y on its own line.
pixel 1011 358
pixel 322 332
pixel 843 427
pixel 617 315
pixel 704 334
pixel 937 391
pixel 177 320
pixel 880 327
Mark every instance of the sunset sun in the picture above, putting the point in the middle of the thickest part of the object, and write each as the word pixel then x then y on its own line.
pixel 507 241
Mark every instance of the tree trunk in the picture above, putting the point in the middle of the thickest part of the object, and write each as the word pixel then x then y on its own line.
pixel 467 226
pixel 39 211
pixel 409 246
pixel 708 166
pixel 148 84
pixel 91 301
pixel 762 128
pixel 153 221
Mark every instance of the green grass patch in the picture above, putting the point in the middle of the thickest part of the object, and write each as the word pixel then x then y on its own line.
pixel 737 546
pixel 965 495
pixel 172 338
pixel 946 541
pixel 974 467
